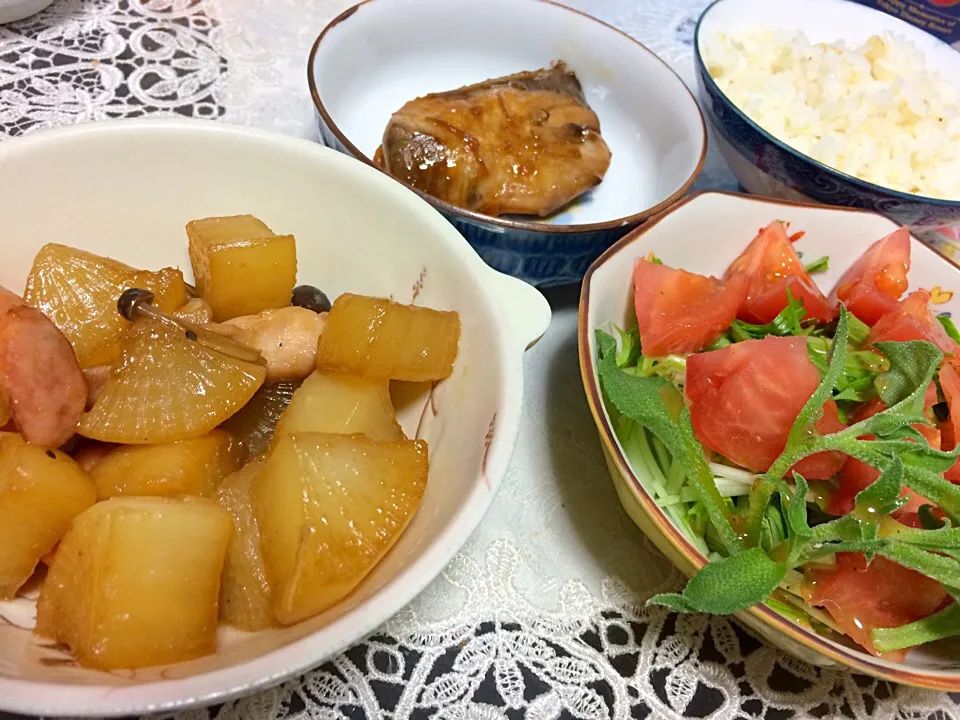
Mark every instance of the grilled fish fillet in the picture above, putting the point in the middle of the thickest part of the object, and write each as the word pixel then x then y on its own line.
pixel 526 144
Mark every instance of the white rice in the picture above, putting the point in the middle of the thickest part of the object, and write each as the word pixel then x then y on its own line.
pixel 873 111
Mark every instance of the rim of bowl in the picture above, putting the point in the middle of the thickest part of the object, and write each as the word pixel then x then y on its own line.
pixel 853 659
pixel 270 668
pixel 707 78
pixel 528 225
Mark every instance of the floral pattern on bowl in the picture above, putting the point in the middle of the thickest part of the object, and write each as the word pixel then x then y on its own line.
pixel 946 239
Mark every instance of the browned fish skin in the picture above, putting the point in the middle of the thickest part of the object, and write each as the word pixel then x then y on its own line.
pixel 526 144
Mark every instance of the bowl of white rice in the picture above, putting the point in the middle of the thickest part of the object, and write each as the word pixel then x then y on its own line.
pixel 837 103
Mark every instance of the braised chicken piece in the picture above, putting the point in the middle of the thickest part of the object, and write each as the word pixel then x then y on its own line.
pixel 286 337
pixel 526 144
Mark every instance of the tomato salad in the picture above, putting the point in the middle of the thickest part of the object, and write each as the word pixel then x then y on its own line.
pixel 805 443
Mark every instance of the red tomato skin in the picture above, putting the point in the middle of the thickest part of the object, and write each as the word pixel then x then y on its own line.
pixel 912 320
pixel 856 476
pixel 947 433
pixel 744 398
pixel 682 312
pixel 950 430
pixel 871 287
pixel 772 266
pixel 883 594
pixel 826 464
pixel 950 382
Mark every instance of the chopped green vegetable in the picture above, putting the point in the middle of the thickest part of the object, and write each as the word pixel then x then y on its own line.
pixel 802 430
pixel 912 364
pixel 949 326
pixel 858 332
pixel 818 551
pixel 785 324
pixel 628 350
pixel 845 528
pixel 727 585
pixel 945 570
pixel 942 624
pixel 671 367
pixel 662 482
pixel 879 499
pixel 774 530
pixel 933 487
pixel 721 342
pixel 820 265
pixel 656 405
pixel 797 508
pixel 857 382
pixel 943 537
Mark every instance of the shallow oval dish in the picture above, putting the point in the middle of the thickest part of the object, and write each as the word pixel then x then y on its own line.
pixel 398 50
pixel 704 233
pixel 126 190
pixel 767 166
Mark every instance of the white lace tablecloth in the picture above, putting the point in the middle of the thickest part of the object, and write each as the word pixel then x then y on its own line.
pixel 541 616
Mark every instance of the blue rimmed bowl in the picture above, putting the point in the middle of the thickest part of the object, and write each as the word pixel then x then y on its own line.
pixel 380 54
pixel 765 165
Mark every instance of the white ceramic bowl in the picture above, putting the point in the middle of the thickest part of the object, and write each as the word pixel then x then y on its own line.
pixel 380 54
pixel 11 10
pixel 703 234
pixel 125 190
pixel 766 166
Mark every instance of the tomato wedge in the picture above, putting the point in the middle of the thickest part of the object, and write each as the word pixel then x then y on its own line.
pixel 873 285
pixel 745 397
pixel 682 312
pixel 950 430
pixel 822 465
pixel 772 267
pixel 883 594
pixel 912 320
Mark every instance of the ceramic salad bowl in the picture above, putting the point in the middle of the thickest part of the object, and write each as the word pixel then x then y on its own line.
pixel 703 234
pixel 356 230
pixel 767 166
pixel 648 117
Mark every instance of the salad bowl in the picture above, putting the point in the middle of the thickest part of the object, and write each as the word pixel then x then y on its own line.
pixel 703 234
pixel 356 230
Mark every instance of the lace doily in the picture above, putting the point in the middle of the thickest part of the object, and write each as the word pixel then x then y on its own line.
pixel 542 615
